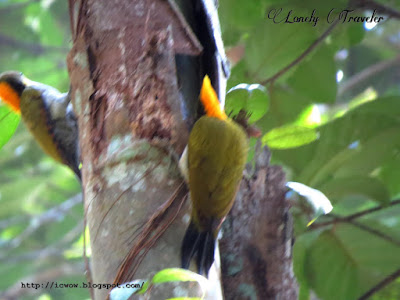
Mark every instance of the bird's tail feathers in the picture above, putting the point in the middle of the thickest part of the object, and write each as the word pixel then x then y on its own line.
pixel 201 244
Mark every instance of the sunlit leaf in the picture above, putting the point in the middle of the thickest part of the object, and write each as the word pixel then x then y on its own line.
pixel 176 274
pixel 285 107
pixel 249 97
pixel 310 117
pixel 375 127
pixel 289 136
pixel 8 124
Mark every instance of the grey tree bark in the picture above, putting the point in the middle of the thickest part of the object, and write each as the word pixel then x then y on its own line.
pixel 135 70
pixel 134 123
pixel 256 248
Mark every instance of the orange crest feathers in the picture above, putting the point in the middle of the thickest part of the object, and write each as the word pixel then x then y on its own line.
pixel 9 96
pixel 209 98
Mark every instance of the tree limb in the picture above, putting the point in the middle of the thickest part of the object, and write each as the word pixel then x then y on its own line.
pixel 52 215
pixel 353 216
pixel 381 8
pixel 55 250
pixel 35 49
pixel 367 73
pixel 13 6
pixel 392 277
pixel 303 55
pixel 362 4
pixel 256 247
pixel 51 275
pixel 375 232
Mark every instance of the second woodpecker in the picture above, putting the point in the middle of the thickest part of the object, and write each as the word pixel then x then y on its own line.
pixel 47 114
pixel 216 157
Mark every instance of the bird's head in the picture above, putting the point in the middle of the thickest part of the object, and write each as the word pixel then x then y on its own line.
pixel 209 99
pixel 12 84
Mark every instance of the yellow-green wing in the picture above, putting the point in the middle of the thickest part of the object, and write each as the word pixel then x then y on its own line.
pixel 217 156
pixel 37 119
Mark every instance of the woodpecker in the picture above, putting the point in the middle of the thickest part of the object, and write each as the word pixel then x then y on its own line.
pixel 216 157
pixel 47 114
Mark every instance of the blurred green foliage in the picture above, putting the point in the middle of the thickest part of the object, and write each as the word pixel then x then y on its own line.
pixel 40 220
pixel 331 129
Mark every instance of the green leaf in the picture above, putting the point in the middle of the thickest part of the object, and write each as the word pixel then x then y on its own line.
pixel 345 262
pixel 181 275
pixel 289 136
pixel 389 173
pixel 300 248
pixel 316 77
pixel 356 158
pixel 250 97
pixel 356 33
pixel 371 129
pixel 309 117
pixel 176 274
pixel 238 18
pixel 348 34
pixel 369 187
pixel 372 153
pixel 375 257
pixel 271 47
pixel 331 272
pixel 285 106
pixel 9 121
pixel 390 227
pixel 239 14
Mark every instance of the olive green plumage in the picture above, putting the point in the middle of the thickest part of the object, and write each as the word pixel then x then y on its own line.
pixel 48 115
pixel 217 153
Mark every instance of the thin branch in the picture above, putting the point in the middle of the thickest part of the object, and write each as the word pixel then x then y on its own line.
pixel 338 219
pixel 35 49
pixel 38 255
pixel 362 4
pixel 14 220
pixel 367 73
pixel 381 285
pixel 54 251
pixel 380 8
pixel 52 215
pixel 375 232
pixel 350 219
pixel 48 276
pixel 303 55
pixel 14 6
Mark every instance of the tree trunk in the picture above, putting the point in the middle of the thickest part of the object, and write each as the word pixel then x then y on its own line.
pixel 136 70
pixel 256 248
pixel 134 123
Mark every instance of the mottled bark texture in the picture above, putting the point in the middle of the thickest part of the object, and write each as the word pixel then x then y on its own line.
pixel 124 86
pixel 136 70
pixel 256 247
